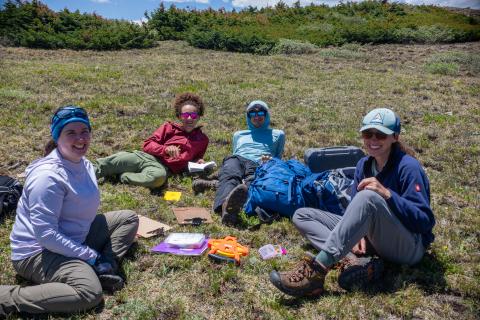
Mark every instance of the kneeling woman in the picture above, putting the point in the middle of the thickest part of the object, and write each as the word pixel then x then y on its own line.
pixel 390 209
pixel 58 241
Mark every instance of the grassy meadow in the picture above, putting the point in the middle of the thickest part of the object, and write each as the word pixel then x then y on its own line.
pixel 319 100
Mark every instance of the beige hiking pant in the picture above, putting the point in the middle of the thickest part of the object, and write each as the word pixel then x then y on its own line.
pixel 68 284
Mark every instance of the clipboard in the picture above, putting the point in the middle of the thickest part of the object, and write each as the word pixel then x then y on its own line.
pixel 192 215
pixel 148 228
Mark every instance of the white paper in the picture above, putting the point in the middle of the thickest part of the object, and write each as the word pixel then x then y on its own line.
pixel 197 167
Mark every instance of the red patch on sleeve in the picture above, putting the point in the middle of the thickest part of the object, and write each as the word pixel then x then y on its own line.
pixel 417 187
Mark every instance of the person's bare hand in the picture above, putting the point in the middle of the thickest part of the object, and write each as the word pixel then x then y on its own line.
pixel 172 151
pixel 360 248
pixel 200 161
pixel 266 158
pixel 373 184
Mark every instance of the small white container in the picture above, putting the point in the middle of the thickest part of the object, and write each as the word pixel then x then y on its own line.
pixel 185 240
pixel 269 251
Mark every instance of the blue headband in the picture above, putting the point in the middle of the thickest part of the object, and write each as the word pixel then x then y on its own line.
pixel 65 116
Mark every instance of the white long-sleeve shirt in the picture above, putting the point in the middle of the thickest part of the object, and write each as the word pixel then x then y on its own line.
pixel 58 204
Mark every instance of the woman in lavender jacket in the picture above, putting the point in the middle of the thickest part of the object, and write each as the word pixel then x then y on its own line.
pixel 58 241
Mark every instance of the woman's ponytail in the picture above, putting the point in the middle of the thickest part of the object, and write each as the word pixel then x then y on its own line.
pixel 49 147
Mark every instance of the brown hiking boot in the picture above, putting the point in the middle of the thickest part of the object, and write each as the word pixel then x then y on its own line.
pixel 305 279
pixel 200 185
pixel 233 204
pixel 359 272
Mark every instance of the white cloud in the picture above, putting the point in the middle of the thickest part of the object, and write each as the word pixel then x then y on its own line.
pixel 271 3
pixel 140 21
pixel 194 1
pixel 101 1
pixel 446 3
pixel 474 4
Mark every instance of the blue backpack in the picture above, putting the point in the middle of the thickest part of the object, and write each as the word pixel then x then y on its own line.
pixel 277 188
pixel 329 190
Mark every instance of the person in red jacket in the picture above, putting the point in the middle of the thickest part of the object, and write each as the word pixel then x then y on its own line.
pixel 170 148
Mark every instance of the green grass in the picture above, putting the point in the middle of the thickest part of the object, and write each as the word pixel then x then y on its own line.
pixel 318 99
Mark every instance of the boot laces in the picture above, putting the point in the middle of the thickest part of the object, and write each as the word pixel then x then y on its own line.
pixel 346 263
pixel 303 270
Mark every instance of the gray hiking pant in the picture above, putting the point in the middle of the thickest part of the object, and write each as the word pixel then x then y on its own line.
pixel 367 215
pixel 68 284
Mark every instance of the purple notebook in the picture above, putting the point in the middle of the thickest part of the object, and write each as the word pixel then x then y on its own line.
pixel 162 247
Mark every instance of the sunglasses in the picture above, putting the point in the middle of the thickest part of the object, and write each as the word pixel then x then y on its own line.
pixel 368 134
pixel 70 112
pixel 253 114
pixel 186 115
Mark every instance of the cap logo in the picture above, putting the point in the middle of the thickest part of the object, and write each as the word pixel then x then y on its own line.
pixel 377 119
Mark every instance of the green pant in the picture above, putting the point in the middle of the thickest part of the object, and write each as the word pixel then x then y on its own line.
pixel 68 284
pixel 137 168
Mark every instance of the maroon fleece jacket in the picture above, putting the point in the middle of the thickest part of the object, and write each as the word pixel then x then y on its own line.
pixel 192 145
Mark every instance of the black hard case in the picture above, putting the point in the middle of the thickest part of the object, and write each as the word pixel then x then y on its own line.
pixel 321 159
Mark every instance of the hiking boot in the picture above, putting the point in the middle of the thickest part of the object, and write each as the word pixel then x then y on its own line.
pixel 358 272
pixel 214 175
pixel 111 282
pixel 200 185
pixel 233 204
pixel 306 278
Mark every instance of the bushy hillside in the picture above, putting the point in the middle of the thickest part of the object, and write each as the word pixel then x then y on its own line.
pixel 279 29
pixel 261 31
pixel 34 25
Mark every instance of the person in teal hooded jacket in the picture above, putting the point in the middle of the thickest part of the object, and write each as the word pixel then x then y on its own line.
pixel 250 147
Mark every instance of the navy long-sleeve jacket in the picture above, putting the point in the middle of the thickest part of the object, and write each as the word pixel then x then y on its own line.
pixel 410 201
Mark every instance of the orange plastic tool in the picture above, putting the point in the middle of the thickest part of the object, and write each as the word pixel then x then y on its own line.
pixel 227 247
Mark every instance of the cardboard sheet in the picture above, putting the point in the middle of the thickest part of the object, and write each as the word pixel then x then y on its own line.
pixel 149 228
pixel 189 215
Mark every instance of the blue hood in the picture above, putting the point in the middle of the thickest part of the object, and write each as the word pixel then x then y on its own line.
pixel 266 123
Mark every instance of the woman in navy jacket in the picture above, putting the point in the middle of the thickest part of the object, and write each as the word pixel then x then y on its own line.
pixel 390 213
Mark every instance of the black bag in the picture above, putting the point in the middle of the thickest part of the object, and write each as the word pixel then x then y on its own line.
pixel 10 192
pixel 321 159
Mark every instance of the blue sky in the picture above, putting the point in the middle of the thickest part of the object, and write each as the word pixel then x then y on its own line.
pixel 134 9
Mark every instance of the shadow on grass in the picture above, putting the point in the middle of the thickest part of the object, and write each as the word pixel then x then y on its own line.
pixel 428 275
pixel 297 302
pixel 160 191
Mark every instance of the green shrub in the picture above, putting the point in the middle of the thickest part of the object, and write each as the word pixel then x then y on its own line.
pixel 34 25
pixel 287 46
pixel 217 40
pixel 353 46
pixel 444 68
pixel 438 63
pixel 341 53
pixel 325 28
pixel 427 34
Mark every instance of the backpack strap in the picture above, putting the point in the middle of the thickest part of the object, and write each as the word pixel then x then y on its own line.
pixel 6 189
